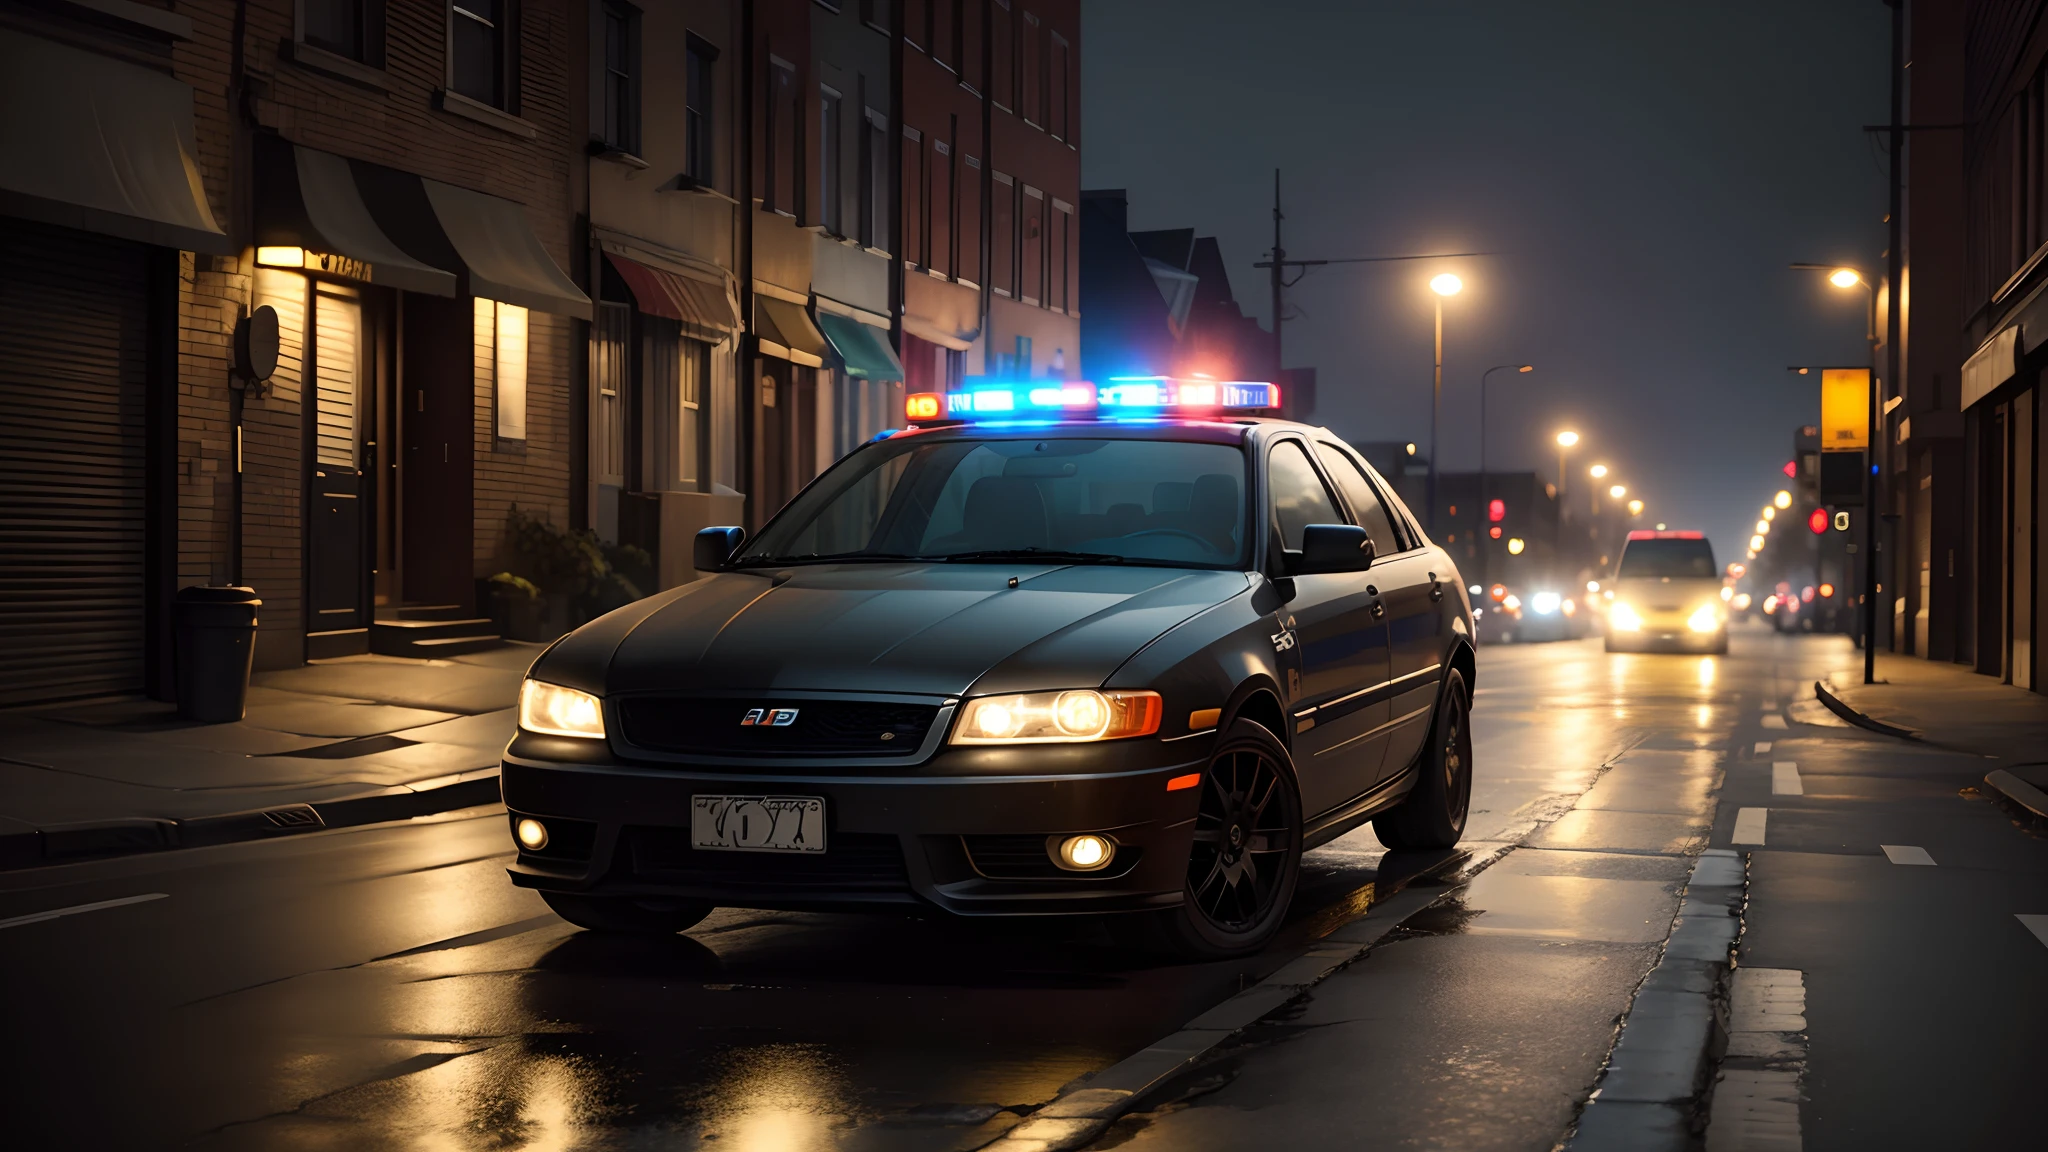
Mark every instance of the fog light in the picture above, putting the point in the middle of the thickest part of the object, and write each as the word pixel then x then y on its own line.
pixel 1084 853
pixel 533 835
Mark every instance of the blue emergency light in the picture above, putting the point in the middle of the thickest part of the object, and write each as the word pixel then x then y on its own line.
pixel 985 399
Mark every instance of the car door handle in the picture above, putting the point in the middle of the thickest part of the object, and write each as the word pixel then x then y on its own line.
pixel 1436 587
pixel 1379 610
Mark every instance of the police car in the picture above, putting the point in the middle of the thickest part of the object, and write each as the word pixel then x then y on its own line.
pixel 1124 649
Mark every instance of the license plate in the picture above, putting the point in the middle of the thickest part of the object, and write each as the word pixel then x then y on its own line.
pixel 758 823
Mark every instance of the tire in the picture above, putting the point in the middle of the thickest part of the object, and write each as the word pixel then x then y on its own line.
pixel 1433 813
pixel 627 915
pixel 1245 860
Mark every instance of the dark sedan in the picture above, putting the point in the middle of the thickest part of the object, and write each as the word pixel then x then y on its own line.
pixel 1077 666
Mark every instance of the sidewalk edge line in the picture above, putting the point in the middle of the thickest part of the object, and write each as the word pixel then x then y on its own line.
pixel 2018 791
pixel 1841 708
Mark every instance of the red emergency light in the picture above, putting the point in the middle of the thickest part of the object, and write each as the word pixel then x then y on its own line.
pixel 1648 534
pixel 1817 521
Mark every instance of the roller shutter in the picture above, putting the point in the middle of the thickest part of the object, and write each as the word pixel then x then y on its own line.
pixel 72 331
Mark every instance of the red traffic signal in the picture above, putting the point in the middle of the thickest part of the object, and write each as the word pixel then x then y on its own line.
pixel 1496 510
pixel 1818 521
pixel 1791 469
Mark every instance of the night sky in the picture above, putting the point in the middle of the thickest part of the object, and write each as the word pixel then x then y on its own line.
pixel 1643 170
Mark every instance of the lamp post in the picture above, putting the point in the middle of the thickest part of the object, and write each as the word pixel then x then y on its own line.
pixel 1846 278
pixel 1564 441
pixel 1443 284
pixel 1597 472
pixel 1485 573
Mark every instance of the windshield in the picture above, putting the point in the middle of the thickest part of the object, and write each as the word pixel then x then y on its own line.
pixel 1158 502
pixel 1667 559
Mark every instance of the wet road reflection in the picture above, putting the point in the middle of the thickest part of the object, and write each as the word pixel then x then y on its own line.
pixel 387 988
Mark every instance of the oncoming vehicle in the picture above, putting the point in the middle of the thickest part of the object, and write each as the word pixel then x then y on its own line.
pixel 1124 650
pixel 1667 596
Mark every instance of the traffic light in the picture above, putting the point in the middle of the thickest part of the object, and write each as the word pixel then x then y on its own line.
pixel 1791 469
pixel 1818 521
pixel 1496 510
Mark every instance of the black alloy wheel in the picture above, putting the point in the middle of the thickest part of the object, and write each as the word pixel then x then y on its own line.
pixel 630 915
pixel 1245 859
pixel 1432 815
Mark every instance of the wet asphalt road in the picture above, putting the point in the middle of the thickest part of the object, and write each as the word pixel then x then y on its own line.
pixel 387 987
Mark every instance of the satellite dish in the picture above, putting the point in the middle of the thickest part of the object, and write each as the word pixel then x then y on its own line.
pixel 256 343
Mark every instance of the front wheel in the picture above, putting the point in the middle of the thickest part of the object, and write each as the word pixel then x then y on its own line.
pixel 1245 859
pixel 1433 813
pixel 628 915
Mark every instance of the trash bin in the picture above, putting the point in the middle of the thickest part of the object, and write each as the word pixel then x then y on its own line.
pixel 215 629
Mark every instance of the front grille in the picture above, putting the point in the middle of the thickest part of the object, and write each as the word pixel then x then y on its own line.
pixel 851 862
pixel 1025 857
pixel 714 727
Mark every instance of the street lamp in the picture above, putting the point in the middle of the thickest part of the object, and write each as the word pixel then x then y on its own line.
pixel 1635 507
pixel 1845 278
pixel 1482 425
pixel 1597 472
pixel 1564 440
pixel 1783 499
pixel 1443 284
pixel 1617 492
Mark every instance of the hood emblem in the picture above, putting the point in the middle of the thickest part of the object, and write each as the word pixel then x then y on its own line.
pixel 768 718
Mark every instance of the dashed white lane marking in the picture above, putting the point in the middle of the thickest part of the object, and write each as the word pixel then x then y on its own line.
pixel 1749 825
pixel 2037 924
pixel 1785 779
pixel 75 909
pixel 1774 722
pixel 1907 854
pixel 1762 747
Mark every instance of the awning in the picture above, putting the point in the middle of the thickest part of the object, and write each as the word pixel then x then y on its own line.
pixel 945 313
pixel 784 330
pixel 1991 365
pixel 703 309
pixel 90 142
pixel 863 349
pixel 505 259
pixel 309 200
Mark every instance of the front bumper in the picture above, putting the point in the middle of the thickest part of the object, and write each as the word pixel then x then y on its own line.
pixel 1680 639
pixel 905 840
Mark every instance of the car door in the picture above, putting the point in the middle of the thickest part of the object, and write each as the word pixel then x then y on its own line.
pixel 1340 627
pixel 1413 579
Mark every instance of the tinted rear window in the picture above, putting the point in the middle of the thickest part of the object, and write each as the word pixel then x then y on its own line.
pixel 1675 559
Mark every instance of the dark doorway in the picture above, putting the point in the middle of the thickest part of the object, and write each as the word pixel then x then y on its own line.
pixel 437 475
pixel 337 567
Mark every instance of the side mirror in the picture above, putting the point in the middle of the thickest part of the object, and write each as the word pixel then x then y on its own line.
pixel 1335 548
pixel 714 546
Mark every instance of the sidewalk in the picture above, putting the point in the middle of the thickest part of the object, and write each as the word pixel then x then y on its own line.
pixel 1952 707
pixel 338 742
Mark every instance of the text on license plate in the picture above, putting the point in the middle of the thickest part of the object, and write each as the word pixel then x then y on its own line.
pixel 758 823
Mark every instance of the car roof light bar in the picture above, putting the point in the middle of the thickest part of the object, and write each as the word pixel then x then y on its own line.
pixel 989 399
pixel 1648 534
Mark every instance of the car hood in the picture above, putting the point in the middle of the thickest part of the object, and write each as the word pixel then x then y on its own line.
pixel 940 629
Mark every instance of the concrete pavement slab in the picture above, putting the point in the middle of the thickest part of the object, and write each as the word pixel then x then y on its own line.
pixel 1597 831
pixel 1677 786
pixel 1569 907
pixel 307 718
pixel 1593 865
pixel 438 685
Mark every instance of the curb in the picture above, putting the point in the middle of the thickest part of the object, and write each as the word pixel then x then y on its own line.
pixel 1075 1117
pixel 2018 791
pixel 1836 705
pixel 1649 1091
pixel 104 839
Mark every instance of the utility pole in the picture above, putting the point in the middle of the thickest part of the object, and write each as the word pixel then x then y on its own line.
pixel 1278 264
pixel 1894 268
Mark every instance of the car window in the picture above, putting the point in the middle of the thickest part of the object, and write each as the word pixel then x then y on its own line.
pixel 1667 558
pixel 1142 501
pixel 1299 498
pixel 1364 500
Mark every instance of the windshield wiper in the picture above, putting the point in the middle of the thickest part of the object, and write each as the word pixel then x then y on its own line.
pixel 1050 555
pixel 819 558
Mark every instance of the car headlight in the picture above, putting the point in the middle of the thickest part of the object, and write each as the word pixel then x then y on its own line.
pixel 1623 618
pixel 1544 603
pixel 1705 618
pixel 553 710
pixel 1070 717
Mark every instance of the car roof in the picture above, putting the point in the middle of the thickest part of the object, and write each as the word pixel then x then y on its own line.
pixel 1216 430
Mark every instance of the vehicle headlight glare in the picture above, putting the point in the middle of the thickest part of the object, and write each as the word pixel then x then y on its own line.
pixel 533 835
pixel 1084 853
pixel 1705 618
pixel 553 710
pixel 1069 717
pixel 1544 603
pixel 1623 618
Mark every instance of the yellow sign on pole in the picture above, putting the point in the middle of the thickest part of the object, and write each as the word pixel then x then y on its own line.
pixel 1844 409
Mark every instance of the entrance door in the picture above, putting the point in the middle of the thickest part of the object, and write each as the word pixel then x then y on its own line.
pixel 334 530
pixel 439 470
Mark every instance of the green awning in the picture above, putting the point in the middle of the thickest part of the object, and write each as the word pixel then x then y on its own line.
pixel 864 350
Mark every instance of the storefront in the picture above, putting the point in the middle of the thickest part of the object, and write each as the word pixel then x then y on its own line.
pixel 89 265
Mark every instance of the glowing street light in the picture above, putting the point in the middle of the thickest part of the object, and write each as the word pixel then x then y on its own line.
pixel 1770 513
pixel 1783 499
pixel 1446 284
pixel 1845 278
pixel 1635 507
pixel 1564 442
pixel 1515 546
pixel 1443 284
pixel 1617 492
pixel 1763 528
pixel 1756 543
pixel 1597 471
pixel 1567 439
